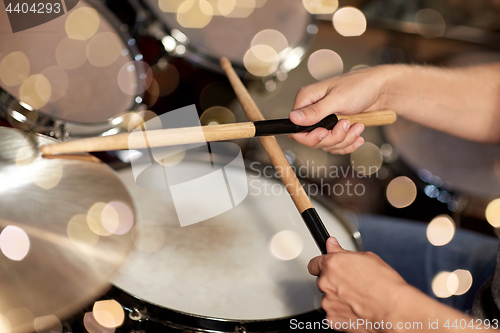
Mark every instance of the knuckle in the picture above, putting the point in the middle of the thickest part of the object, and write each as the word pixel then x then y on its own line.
pixel 321 283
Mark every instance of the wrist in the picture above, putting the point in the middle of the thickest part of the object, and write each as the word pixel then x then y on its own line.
pixel 394 78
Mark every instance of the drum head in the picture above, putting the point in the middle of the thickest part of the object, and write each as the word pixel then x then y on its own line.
pixel 249 263
pixel 231 37
pixel 75 68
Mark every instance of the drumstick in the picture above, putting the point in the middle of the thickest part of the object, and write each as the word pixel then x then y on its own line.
pixel 292 184
pixel 186 135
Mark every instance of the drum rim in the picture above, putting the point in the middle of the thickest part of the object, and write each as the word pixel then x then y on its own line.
pixel 59 128
pixel 196 57
pixel 215 323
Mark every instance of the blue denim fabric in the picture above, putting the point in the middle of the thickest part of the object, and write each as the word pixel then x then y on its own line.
pixel 403 244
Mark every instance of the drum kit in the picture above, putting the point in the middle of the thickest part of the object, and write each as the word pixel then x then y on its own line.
pixel 73 226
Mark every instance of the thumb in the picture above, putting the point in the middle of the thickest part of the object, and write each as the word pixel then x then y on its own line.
pixel 311 114
pixel 333 246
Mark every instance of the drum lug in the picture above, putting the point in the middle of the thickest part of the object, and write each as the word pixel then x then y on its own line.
pixel 240 329
pixel 136 315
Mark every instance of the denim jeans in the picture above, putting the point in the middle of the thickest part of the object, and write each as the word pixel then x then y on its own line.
pixel 403 244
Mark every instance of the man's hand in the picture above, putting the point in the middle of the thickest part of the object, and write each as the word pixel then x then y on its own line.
pixel 356 285
pixel 351 93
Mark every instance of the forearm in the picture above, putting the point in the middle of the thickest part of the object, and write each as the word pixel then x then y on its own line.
pixel 461 101
pixel 415 307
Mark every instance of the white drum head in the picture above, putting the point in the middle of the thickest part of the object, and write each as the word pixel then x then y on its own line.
pixel 84 62
pixel 227 266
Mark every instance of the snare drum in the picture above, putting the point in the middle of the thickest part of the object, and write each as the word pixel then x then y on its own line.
pixel 72 76
pixel 244 270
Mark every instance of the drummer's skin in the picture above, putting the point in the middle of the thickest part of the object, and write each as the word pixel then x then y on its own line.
pixel 464 102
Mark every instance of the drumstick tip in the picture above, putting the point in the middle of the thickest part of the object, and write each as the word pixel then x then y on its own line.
pixel 225 63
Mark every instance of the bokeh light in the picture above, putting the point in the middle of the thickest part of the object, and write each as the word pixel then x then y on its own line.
pixel 35 91
pixel 128 80
pixel 401 192
pixel 108 313
pixel 82 23
pixel 286 245
pixel 104 49
pixel 4 324
pixel 117 218
pixel 92 326
pixel 59 81
pixel 493 213
pixel 441 230
pixel 47 324
pixel 14 68
pixel 430 23
pixel 217 114
pixel 94 219
pixel 261 60
pixel 169 6
pixel 14 243
pixel 79 232
pixel 225 7
pixel 324 64
pixel 70 53
pixel 272 38
pixel 367 159
pixel 169 156
pixel 242 9
pixel 148 236
pixel 464 278
pixel 195 13
pixel 48 177
pixel 349 21
pixel 320 6
pixel 440 285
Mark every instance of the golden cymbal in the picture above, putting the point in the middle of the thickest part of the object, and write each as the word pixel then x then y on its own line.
pixel 66 226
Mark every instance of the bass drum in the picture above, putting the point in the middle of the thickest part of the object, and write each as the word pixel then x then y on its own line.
pixel 244 270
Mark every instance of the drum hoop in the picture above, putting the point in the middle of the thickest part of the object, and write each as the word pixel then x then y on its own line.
pixel 62 129
pixel 198 58
pixel 157 313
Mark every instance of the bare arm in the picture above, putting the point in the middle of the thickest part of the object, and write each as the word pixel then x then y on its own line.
pixel 461 101
pixel 360 287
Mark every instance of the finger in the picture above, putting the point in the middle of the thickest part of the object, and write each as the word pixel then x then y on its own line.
pixel 350 137
pixel 336 135
pixel 348 149
pixel 312 138
pixel 312 113
pixel 333 246
pixel 315 266
pixel 310 94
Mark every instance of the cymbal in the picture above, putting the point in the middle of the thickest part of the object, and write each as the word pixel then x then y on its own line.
pixel 65 229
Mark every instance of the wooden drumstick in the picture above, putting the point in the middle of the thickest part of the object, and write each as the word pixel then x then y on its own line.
pixel 195 134
pixel 292 184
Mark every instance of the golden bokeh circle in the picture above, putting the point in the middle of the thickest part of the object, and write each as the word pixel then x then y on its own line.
pixel 349 22
pixel 324 64
pixel 14 68
pixel 82 23
pixel 35 91
pixel 401 192
pixel 440 230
